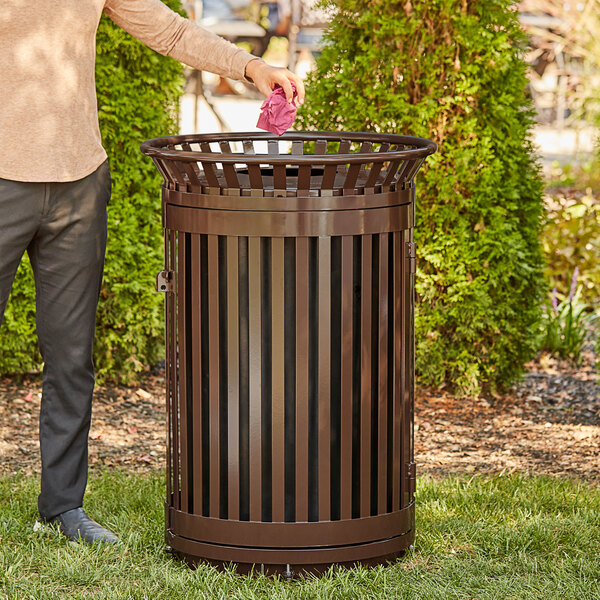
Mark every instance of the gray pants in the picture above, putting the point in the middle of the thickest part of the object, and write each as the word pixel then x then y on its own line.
pixel 62 226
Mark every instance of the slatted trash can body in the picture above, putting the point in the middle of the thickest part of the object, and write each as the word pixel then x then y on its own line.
pixel 289 267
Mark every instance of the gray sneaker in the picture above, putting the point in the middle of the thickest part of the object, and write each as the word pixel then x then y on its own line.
pixel 77 526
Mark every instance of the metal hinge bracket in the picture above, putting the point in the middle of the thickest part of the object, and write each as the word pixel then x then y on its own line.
pixel 165 281
pixel 411 255
pixel 411 472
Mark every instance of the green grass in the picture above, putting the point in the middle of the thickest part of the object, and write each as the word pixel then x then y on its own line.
pixel 506 536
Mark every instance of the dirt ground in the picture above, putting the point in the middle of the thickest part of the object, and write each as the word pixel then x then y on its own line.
pixel 549 423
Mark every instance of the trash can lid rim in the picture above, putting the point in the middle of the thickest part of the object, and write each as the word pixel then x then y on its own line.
pixel 421 148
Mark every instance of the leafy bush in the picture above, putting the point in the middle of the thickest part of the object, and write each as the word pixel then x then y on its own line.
pixel 565 324
pixel 138 91
pixel 451 71
pixel 18 350
pixel 571 240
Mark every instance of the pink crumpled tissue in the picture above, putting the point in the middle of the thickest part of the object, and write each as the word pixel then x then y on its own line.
pixel 278 114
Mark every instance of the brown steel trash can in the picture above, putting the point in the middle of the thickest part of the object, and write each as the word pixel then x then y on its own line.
pixel 289 346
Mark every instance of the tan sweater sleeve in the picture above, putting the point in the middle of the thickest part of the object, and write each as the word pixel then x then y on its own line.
pixel 163 30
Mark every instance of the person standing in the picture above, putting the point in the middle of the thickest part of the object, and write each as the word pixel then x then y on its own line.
pixel 54 189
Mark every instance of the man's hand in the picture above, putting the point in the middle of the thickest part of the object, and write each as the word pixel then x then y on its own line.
pixel 266 77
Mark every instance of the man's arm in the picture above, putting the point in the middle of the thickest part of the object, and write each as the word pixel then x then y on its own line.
pixel 163 30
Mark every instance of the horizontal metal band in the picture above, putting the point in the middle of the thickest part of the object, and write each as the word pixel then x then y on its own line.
pixel 289 203
pixel 289 224
pixel 280 556
pixel 300 535
pixel 416 147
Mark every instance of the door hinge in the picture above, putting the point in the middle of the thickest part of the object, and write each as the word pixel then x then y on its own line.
pixel 411 255
pixel 411 473
pixel 165 281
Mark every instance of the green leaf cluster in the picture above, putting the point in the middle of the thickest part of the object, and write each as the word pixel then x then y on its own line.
pixel 138 92
pixel 570 240
pixel 564 328
pixel 451 71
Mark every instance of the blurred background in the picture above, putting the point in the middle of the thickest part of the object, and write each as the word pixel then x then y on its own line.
pixel 286 33
pixel 563 57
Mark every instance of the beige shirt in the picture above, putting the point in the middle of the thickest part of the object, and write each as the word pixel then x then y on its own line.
pixel 48 112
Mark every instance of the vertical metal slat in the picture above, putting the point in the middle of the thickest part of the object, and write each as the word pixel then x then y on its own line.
pixel 175 375
pixel 192 170
pixel 405 431
pixel 398 371
pixel 324 361
pixel 411 370
pixel 278 375
pixel 382 452
pixel 365 377
pixel 392 168
pixel 229 169
pixel 302 290
pixel 255 332
pixel 181 288
pixel 376 168
pixel 197 384
pixel 210 169
pixel 346 379
pixel 233 371
pixel 213 372
pixel 355 169
pixel 254 173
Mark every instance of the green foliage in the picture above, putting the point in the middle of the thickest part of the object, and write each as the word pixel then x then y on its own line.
pixel 18 351
pixel 570 240
pixel 577 177
pixel 451 71
pixel 565 326
pixel 138 91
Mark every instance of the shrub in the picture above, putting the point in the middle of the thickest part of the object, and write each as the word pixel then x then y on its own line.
pixel 571 243
pixel 452 71
pixel 571 240
pixel 565 323
pixel 138 91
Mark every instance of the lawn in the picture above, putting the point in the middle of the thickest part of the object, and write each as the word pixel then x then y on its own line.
pixel 484 536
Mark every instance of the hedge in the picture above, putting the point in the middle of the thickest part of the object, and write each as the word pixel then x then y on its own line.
pixel 451 71
pixel 138 93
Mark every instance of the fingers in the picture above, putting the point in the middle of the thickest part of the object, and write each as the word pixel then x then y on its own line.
pixel 284 81
pixel 266 77
pixel 299 86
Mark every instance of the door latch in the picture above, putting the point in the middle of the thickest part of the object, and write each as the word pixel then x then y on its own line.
pixel 165 281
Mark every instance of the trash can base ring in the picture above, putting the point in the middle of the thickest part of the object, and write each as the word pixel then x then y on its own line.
pixel 277 561
pixel 269 535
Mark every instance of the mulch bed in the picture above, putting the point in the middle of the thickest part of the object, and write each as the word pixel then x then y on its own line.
pixel 549 423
